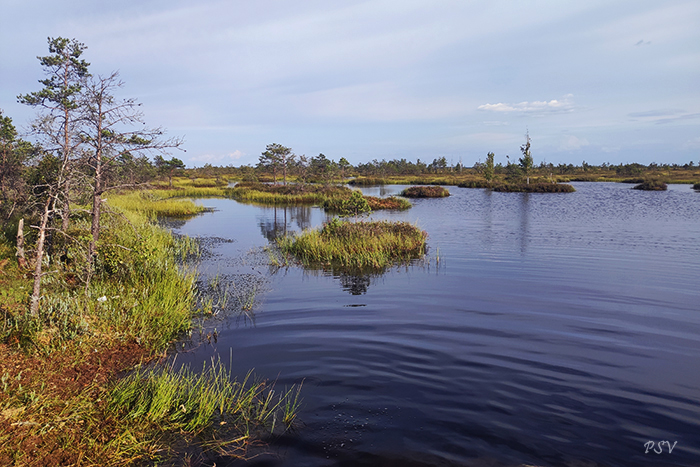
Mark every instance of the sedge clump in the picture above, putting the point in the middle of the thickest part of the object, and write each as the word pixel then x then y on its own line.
pixel 363 244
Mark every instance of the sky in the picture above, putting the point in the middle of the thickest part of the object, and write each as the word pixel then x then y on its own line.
pixel 596 80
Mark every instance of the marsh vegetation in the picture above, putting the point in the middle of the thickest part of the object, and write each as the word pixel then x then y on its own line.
pixel 362 244
pixel 652 185
pixel 425 192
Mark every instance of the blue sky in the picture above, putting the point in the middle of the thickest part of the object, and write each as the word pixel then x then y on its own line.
pixel 600 81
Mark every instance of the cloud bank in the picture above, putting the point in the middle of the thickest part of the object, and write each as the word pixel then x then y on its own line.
pixel 536 107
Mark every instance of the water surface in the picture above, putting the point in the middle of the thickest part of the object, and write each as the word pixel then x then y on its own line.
pixel 542 329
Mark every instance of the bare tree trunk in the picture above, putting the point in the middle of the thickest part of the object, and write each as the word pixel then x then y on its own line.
pixel 20 245
pixel 96 211
pixel 36 292
pixel 65 212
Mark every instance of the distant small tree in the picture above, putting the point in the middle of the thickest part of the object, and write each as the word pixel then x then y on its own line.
pixel 302 167
pixel 488 168
pixel 168 167
pixel 14 153
pixel 343 165
pixel 526 162
pixel 439 164
pixel 322 167
pixel 276 156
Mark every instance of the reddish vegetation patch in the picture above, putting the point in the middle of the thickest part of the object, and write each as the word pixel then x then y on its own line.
pixel 51 429
pixel 386 203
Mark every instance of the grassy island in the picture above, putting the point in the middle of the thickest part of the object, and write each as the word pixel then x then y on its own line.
pixel 425 192
pixel 285 194
pixel 361 244
pixel 652 185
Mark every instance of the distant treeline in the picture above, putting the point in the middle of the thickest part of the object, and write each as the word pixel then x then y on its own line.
pixel 321 168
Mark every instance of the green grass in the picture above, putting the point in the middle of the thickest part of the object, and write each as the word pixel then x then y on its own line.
pixel 377 244
pixel 156 203
pixel 206 404
pixel 425 192
pixel 285 194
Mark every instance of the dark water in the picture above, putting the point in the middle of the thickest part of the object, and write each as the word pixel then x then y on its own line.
pixel 542 329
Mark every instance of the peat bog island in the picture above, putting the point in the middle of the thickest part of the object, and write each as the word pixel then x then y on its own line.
pixel 96 292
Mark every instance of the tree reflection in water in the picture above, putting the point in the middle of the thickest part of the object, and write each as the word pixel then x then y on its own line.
pixel 355 284
pixel 278 220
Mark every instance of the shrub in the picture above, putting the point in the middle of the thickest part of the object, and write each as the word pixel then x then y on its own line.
pixel 355 205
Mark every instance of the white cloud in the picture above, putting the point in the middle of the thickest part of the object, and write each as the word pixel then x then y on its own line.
pixel 536 107
pixel 573 143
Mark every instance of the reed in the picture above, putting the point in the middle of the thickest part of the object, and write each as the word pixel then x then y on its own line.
pixel 373 244
pixel 216 412
pixel 195 401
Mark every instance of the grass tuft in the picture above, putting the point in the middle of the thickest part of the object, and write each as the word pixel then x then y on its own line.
pixel 373 244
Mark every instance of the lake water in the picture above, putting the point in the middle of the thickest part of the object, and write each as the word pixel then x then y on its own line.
pixel 541 329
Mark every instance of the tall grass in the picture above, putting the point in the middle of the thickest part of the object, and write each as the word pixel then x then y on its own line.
pixel 201 401
pixel 285 194
pixel 374 244
pixel 155 203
